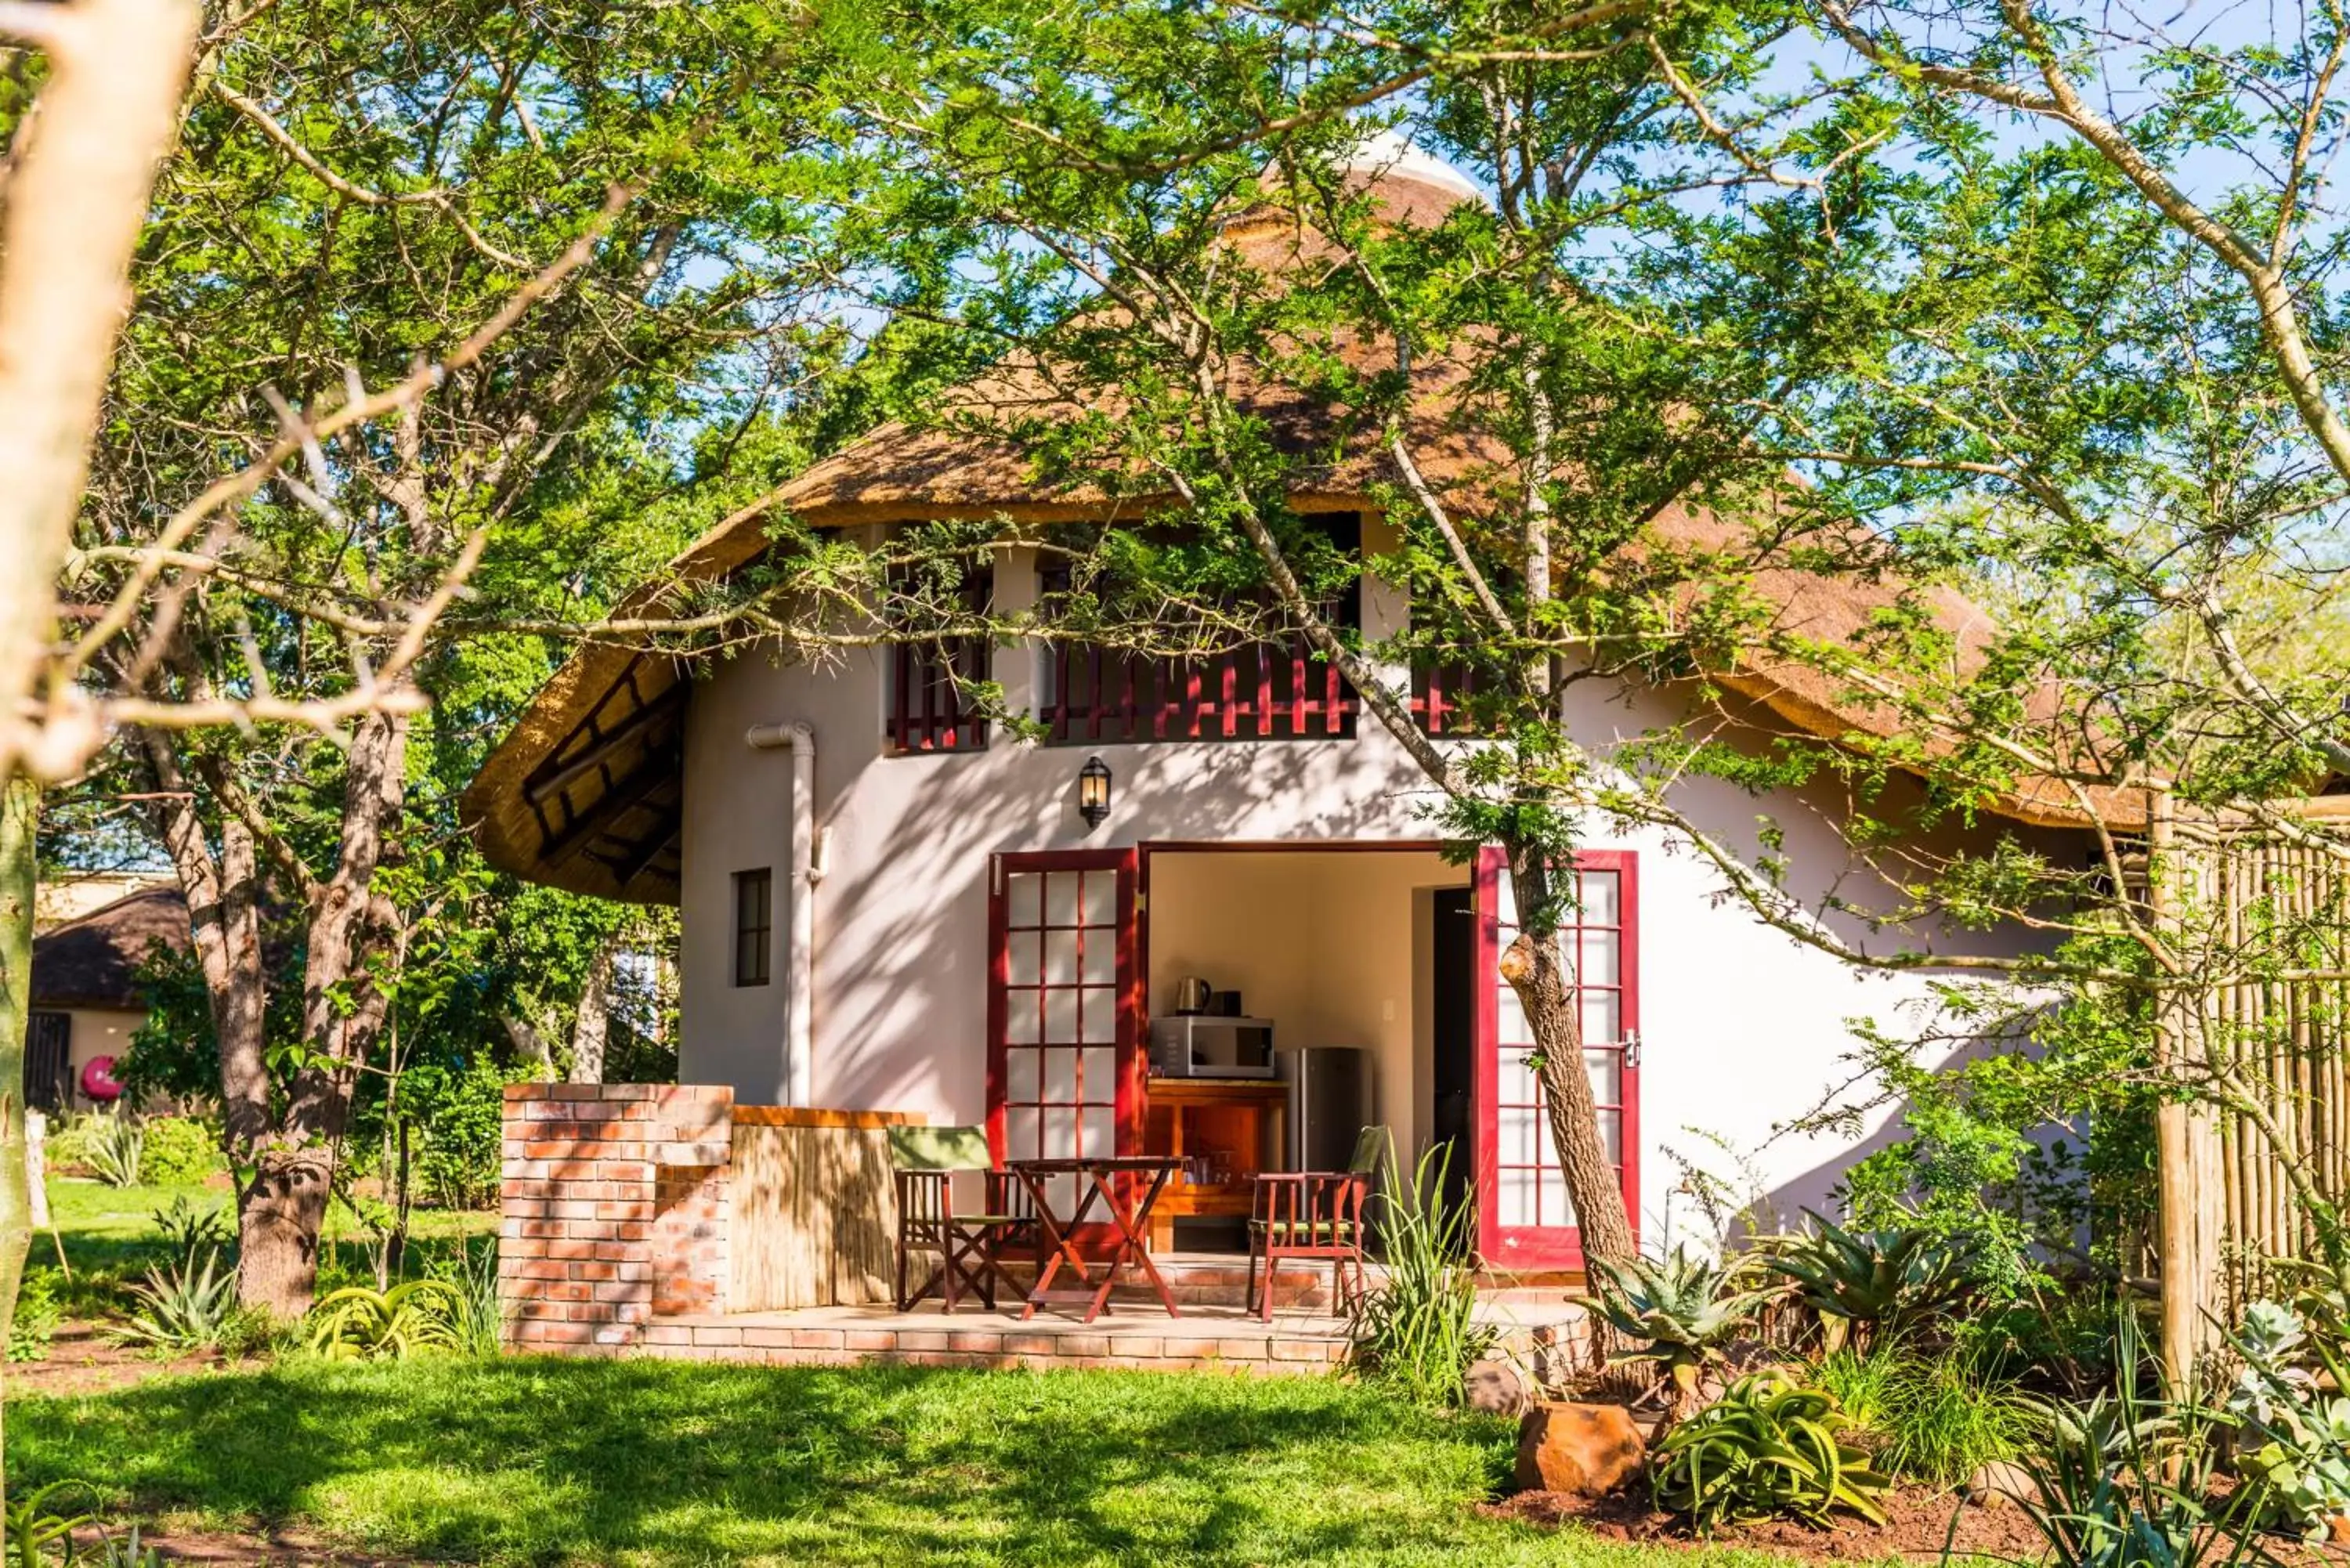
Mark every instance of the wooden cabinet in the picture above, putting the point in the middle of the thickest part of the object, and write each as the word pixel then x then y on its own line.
pixel 1239 1124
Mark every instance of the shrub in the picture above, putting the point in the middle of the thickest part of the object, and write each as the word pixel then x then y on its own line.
pixel 179 1152
pixel 360 1322
pixel 1681 1310
pixel 2127 1481
pixel 1878 1279
pixel 1766 1449
pixel 476 1318
pixel 117 1142
pixel 2297 1438
pixel 1419 1332
pixel 190 1229
pixel 183 1307
pixel 66 1150
pixel 460 1115
pixel 250 1332
pixel 38 1312
pixel 1936 1417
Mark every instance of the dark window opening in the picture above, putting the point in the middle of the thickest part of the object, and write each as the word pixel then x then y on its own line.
pixel 1277 689
pixel 754 924
pixel 49 1062
pixel 930 702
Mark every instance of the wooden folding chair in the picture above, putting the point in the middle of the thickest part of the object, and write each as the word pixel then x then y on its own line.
pixel 1314 1215
pixel 970 1246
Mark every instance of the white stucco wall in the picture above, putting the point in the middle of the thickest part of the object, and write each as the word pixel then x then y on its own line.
pixel 1743 1027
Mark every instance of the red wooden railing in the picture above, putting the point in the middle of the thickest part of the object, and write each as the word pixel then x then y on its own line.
pixel 1436 690
pixel 1265 692
pixel 929 711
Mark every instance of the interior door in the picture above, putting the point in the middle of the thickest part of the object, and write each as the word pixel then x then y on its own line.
pixel 1064 1061
pixel 1524 1222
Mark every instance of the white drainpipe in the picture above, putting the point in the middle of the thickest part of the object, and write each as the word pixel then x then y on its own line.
pixel 808 870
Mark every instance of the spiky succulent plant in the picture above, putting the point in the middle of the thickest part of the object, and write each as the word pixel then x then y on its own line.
pixel 1873 1277
pixel 1678 1311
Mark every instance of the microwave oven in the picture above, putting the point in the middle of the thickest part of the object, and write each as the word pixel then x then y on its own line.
pixel 1198 1046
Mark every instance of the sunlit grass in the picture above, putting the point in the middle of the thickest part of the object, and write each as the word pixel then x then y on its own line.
pixel 537 1460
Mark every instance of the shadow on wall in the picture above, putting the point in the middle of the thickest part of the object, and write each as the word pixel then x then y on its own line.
pixel 1781 1205
pixel 903 949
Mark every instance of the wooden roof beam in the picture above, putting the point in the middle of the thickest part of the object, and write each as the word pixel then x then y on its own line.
pixel 538 791
pixel 640 857
pixel 656 770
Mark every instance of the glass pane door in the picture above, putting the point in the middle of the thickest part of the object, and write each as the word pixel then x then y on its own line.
pixel 1525 1219
pixel 1062 1035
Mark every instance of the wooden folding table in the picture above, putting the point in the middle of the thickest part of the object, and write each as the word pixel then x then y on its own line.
pixel 1108 1182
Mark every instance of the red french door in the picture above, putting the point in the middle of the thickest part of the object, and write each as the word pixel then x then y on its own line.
pixel 1064 1047
pixel 1525 1223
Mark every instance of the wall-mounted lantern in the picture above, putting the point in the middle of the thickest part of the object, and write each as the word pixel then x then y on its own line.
pixel 1093 792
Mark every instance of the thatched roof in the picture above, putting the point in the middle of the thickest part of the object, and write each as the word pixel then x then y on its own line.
pixel 92 962
pixel 584 793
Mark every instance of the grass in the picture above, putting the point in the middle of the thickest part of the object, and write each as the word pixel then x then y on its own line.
pixel 653 1463
pixel 112 1229
pixel 642 1462
pixel 1937 1416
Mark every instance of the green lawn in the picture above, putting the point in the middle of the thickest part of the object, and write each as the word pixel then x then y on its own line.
pixel 540 1460
pixel 114 1229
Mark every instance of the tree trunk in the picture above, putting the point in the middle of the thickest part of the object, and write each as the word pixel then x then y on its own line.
pixel 284 1208
pixel 530 1044
pixel 1537 974
pixel 589 1029
pixel 20 803
pixel 343 1012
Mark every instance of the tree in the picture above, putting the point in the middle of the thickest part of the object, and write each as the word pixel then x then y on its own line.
pixel 74 197
pixel 567 244
pixel 1214 317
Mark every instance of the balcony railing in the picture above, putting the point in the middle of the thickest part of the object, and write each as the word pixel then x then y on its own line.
pixel 1439 693
pixel 931 708
pixel 1264 691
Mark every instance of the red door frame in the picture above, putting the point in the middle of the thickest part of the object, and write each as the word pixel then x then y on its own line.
pixel 1131 1058
pixel 1526 1249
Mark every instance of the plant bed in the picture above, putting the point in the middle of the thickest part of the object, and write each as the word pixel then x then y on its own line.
pixel 1918 1525
pixel 84 1358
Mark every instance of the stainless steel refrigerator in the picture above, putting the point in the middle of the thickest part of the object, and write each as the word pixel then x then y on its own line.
pixel 1329 1102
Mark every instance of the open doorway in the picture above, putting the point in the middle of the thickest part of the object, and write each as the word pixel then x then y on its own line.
pixel 1453 1039
pixel 1331 951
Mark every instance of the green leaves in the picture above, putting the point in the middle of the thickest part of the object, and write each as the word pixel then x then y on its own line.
pixel 362 1324
pixel 1766 1448
pixel 1877 1278
pixel 1682 1309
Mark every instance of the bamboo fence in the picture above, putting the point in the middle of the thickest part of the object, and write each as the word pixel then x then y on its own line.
pixel 2258 1138
pixel 814 1217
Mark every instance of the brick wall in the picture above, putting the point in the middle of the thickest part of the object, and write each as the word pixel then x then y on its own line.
pixel 613 1210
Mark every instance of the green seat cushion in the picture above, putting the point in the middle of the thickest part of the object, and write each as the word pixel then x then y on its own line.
pixel 939 1148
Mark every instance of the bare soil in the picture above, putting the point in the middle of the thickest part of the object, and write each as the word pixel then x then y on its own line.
pixel 233 1551
pixel 83 1359
pixel 1919 1522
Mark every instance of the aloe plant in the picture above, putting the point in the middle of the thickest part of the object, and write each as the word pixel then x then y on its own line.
pixel 1680 1310
pixel 183 1307
pixel 118 1143
pixel 1869 1277
pixel 362 1324
pixel 1767 1449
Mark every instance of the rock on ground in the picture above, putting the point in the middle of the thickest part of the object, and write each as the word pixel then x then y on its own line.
pixel 1585 1450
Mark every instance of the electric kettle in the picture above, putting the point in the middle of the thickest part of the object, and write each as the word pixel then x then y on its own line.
pixel 1190 995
